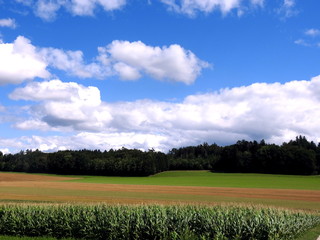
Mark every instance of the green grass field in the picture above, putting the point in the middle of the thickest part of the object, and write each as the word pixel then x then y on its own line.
pixel 312 234
pixel 209 179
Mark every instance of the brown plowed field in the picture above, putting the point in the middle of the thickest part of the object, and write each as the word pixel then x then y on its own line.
pixel 47 188
pixel 284 194
pixel 14 177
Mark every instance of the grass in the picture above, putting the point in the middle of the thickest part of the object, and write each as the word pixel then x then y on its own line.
pixel 312 234
pixel 205 179
pixel 209 179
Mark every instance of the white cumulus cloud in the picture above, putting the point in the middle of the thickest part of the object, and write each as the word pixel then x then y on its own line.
pixel 126 72
pixel 62 105
pixel 172 63
pixel 19 61
pixel 129 61
pixel 56 90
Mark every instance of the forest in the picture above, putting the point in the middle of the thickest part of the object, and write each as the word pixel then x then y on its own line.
pixel 296 157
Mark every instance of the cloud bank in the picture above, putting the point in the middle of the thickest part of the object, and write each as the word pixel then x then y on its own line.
pixel 274 112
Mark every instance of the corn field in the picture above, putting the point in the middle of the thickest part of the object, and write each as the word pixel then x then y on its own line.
pixel 153 222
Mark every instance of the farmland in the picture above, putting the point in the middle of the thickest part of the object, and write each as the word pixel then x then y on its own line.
pixel 199 188
pixel 196 187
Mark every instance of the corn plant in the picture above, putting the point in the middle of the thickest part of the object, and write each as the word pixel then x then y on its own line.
pixel 153 222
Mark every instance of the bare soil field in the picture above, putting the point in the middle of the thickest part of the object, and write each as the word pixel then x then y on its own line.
pixel 14 177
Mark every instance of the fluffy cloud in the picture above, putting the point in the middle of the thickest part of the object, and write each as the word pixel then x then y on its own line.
pixel 8 22
pixel 274 112
pixel 62 104
pixel 47 9
pixel 126 72
pixel 73 63
pixel 86 7
pixel 19 61
pixel 129 60
pixel 190 7
pixel 55 90
pixel 173 63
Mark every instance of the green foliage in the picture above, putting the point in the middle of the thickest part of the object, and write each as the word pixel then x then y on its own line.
pixel 297 157
pixel 32 238
pixel 153 222
pixel 122 162
pixel 311 234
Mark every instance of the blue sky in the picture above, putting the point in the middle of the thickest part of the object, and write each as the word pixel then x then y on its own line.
pixel 103 74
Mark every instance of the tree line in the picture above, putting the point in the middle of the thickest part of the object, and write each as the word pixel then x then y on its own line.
pixel 122 162
pixel 298 157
